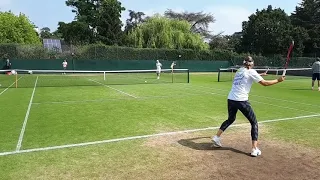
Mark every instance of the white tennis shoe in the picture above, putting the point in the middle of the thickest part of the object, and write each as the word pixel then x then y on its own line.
pixel 256 152
pixel 216 141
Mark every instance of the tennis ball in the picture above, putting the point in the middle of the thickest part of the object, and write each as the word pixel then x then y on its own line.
pixel 145 81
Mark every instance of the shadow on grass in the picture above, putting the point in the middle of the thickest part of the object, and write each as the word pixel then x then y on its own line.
pixel 206 146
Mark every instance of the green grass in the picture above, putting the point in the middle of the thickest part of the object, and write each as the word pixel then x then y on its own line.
pixel 92 112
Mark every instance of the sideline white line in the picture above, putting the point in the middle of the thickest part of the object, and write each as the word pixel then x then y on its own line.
pixel 113 88
pixel 146 136
pixel 26 118
pixel 9 86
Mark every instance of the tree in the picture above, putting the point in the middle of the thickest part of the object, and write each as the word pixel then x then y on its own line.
pixel 199 21
pixel 269 31
pixel 76 33
pixel 307 16
pixel 45 33
pixel 102 16
pixel 161 32
pixel 17 29
pixel 135 18
pixel 228 42
pixel 219 42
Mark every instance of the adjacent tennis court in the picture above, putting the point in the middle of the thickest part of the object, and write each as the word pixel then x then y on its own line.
pixel 117 126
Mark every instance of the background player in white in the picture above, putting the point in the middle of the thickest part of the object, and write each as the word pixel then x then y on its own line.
pixel 316 73
pixel 159 65
pixel 172 66
pixel 238 100
pixel 65 65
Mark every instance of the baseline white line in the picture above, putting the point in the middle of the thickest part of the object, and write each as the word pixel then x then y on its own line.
pixel 9 86
pixel 26 118
pixel 113 88
pixel 147 136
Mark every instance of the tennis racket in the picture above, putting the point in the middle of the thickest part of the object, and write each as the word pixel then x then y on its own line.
pixel 267 71
pixel 288 59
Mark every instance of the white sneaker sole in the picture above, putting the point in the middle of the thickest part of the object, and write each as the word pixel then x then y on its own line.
pixel 256 155
pixel 216 145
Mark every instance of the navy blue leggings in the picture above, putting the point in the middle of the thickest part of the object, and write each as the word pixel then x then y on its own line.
pixel 247 111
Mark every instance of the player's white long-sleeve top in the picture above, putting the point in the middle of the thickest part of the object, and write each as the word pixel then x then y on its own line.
pixel 242 83
pixel 159 65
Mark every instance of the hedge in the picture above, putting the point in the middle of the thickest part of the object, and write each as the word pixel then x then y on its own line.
pixel 103 52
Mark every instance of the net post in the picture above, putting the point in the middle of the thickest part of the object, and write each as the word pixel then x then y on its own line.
pixel 172 75
pixel 188 76
pixel 231 74
pixel 219 71
pixel 16 79
pixel 104 75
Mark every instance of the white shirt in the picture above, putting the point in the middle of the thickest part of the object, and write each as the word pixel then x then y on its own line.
pixel 158 66
pixel 172 65
pixel 316 67
pixel 64 64
pixel 242 83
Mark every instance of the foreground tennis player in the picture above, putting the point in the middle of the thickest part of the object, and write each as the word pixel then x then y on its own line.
pixel 238 100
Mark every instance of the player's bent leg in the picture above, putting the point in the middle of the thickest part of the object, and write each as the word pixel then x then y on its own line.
pixel 232 112
pixel 248 112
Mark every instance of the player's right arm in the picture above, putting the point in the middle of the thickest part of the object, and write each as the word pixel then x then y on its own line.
pixel 271 82
pixel 257 78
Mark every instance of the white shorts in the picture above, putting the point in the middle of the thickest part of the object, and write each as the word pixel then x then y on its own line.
pixel 158 71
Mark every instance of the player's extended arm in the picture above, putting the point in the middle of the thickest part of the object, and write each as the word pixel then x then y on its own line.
pixel 271 82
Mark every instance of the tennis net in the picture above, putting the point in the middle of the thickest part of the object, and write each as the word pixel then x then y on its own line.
pixel 225 75
pixel 60 78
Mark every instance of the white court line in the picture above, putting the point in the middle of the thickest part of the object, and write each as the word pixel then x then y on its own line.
pixel 278 99
pixel 116 99
pixel 9 86
pixel 283 107
pixel 146 136
pixel 113 88
pixel 26 117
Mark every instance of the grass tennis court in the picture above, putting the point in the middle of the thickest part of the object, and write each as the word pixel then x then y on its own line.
pixel 69 129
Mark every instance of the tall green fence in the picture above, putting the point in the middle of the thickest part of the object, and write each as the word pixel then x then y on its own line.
pixel 108 65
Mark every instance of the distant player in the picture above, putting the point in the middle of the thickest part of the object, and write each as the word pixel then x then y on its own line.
pixel 64 65
pixel 158 65
pixel 172 66
pixel 8 64
pixel 238 100
pixel 316 73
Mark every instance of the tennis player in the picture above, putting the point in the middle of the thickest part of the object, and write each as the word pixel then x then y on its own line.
pixel 316 73
pixel 172 65
pixel 158 65
pixel 238 100
pixel 64 65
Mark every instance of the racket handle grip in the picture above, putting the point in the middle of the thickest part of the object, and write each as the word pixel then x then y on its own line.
pixel 284 72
